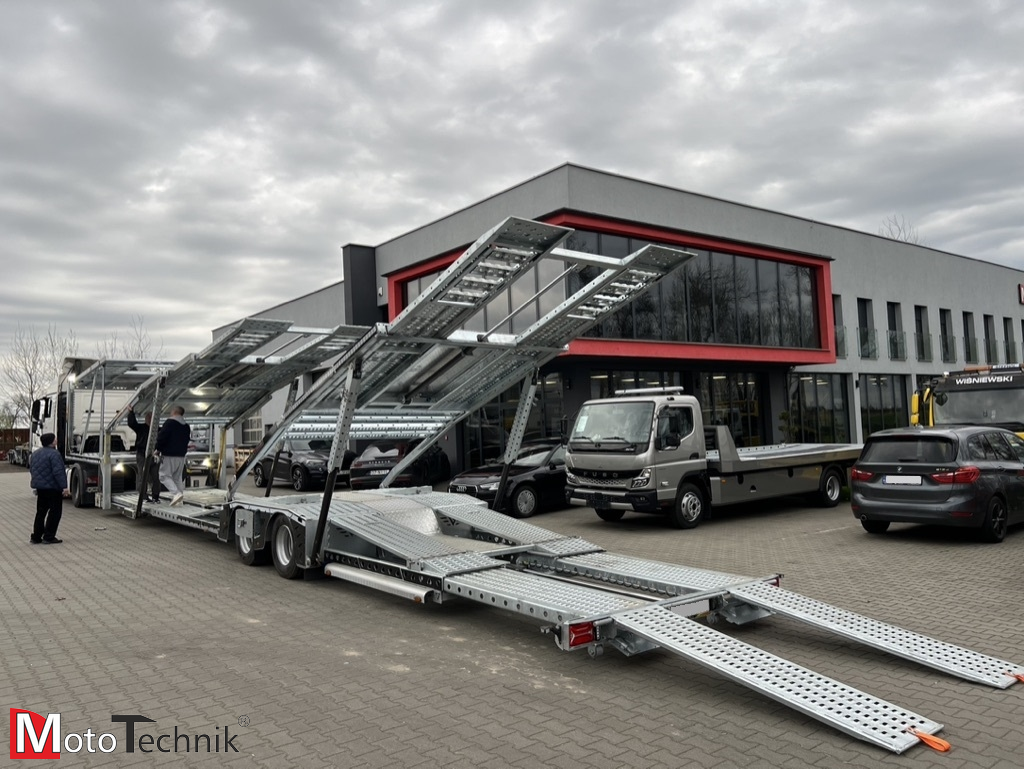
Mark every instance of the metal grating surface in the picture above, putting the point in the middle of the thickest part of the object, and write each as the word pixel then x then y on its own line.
pixel 903 643
pixel 539 597
pixel 487 520
pixel 568 546
pixel 829 701
pixel 460 563
pixel 667 578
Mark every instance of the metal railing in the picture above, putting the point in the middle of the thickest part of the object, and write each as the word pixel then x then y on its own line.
pixel 840 341
pixel 971 349
pixel 1010 351
pixel 897 345
pixel 923 347
pixel 867 342
pixel 991 351
pixel 947 347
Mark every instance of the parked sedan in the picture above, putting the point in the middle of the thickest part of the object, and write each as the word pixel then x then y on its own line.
pixel 302 463
pixel 535 480
pixel 370 467
pixel 970 477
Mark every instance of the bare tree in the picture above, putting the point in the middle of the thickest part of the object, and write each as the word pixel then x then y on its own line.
pixel 8 418
pixel 898 228
pixel 31 364
pixel 135 344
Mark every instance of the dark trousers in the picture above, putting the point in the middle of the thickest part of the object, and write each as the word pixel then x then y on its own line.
pixel 154 474
pixel 49 509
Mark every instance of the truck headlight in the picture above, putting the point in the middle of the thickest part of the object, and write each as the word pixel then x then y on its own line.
pixel 641 480
pixel 570 477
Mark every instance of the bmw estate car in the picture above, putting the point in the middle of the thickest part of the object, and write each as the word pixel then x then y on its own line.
pixel 967 477
pixel 535 480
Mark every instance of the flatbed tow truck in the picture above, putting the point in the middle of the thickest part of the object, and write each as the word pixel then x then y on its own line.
pixel 424 373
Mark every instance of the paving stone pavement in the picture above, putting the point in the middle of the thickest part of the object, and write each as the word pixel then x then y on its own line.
pixel 143 617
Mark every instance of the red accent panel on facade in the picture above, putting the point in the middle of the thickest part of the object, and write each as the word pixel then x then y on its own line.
pixel 397 280
pixel 614 348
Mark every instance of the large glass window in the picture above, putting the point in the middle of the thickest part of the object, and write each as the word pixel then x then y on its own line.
pixel 818 410
pixel 733 399
pixel 883 402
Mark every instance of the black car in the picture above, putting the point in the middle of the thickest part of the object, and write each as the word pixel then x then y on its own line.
pixel 970 477
pixel 535 480
pixel 370 467
pixel 302 463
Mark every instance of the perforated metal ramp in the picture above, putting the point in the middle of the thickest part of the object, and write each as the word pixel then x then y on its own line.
pixel 827 700
pixel 642 574
pixel 903 643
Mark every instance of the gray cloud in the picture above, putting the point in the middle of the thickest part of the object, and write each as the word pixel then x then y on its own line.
pixel 197 161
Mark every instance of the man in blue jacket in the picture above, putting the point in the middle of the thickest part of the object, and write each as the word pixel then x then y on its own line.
pixel 50 481
pixel 171 446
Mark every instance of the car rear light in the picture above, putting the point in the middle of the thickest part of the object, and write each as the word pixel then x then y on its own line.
pixel 961 475
pixel 856 474
pixel 581 634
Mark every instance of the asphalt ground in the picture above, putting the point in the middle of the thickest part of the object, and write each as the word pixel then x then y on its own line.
pixel 145 618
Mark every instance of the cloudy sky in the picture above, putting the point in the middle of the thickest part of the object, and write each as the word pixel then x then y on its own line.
pixel 193 162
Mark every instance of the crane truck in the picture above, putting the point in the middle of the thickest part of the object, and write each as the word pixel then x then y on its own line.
pixel 983 395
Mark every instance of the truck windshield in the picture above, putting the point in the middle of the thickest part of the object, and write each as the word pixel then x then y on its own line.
pixel 613 426
pixel 1003 407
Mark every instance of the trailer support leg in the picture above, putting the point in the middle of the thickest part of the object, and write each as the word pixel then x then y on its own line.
pixel 515 438
pixel 349 392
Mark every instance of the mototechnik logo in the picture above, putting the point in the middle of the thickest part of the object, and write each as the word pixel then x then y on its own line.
pixel 36 736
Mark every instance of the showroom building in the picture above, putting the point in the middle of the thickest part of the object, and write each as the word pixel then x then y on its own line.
pixel 786 329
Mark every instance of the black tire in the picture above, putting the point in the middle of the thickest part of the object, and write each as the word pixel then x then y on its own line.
pixel 830 489
pixel 875 527
pixel 690 507
pixel 300 479
pixel 282 549
pixel 258 477
pixel 994 528
pixel 248 553
pixel 524 502
pixel 611 516
pixel 77 488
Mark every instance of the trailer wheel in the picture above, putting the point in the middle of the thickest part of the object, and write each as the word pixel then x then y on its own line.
pixel 524 502
pixel 606 514
pixel 875 527
pixel 258 477
pixel 248 553
pixel 282 549
pixel 689 507
pixel 994 528
pixel 77 488
pixel 830 489
pixel 300 478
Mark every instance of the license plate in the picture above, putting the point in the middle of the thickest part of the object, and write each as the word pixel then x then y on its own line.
pixel 379 472
pixel 902 480
pixel 595 500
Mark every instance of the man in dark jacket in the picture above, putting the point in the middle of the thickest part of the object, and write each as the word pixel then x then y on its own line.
pixel 50 481
pixel 141 440
pixel 171 446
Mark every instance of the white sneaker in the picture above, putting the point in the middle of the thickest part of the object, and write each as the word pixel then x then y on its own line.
pixel 177 498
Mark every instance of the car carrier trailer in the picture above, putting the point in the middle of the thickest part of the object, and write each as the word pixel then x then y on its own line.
pixel 425 371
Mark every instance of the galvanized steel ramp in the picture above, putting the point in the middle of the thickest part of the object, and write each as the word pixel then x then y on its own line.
pixel 903 643
pixel 827 700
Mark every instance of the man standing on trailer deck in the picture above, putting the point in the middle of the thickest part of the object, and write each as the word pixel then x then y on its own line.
pixel 171 446
pixel 141 441
pixel 50 481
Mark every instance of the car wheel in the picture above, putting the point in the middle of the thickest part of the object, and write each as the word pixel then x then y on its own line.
pixel 524 502
pixel 282 549
pixel 831 487
pixel 875 527
pixel 689 507
pixel 994 527
pixel 258 477
pixel 300 478
pixel 609 515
